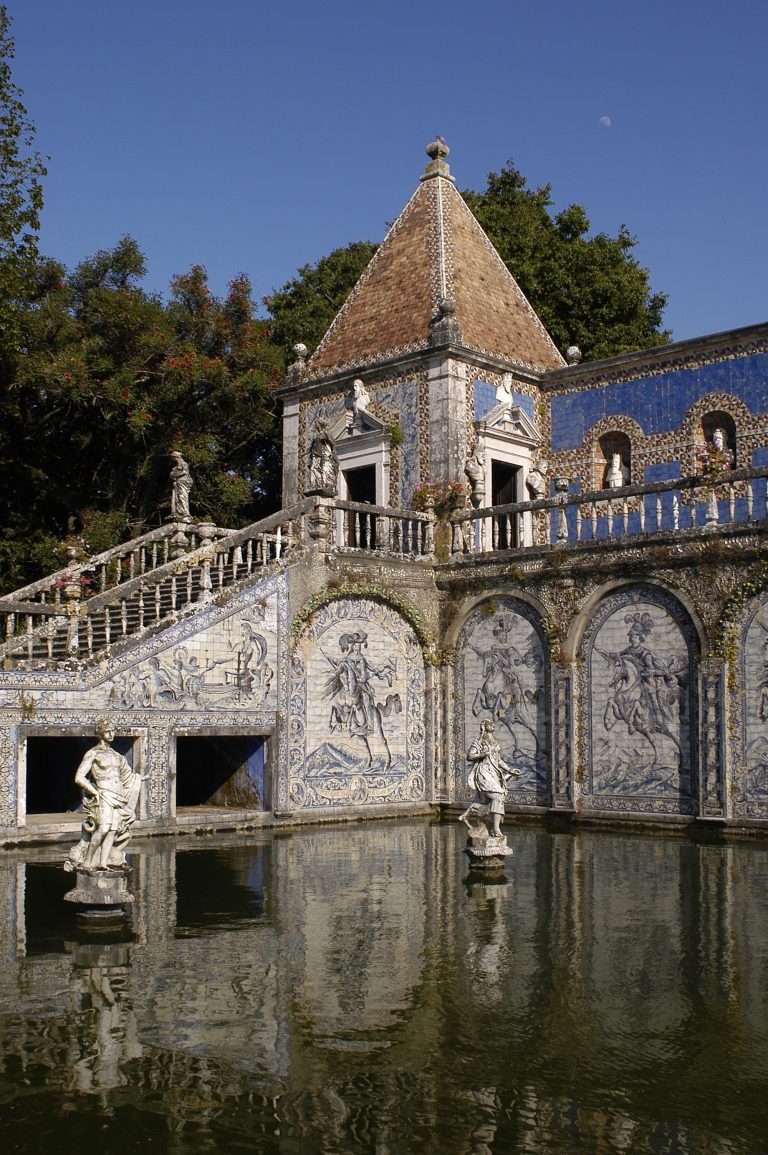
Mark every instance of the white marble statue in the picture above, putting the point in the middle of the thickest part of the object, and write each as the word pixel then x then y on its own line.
pixel 355 403
pixel 181 484
pixel 475 471
pixel 618 474
pixel 111 792
pixel 537 480
pixel 488 777
pixel 323 464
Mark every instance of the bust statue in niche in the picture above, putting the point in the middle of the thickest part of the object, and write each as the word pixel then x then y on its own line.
pixel 618 474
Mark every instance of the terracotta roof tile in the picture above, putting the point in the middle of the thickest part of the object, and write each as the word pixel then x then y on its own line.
pixel 435 249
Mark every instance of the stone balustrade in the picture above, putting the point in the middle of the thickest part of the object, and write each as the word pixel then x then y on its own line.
pixel 692 504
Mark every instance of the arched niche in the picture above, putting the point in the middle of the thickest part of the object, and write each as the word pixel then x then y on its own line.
pixel 502 674
pixel 607 446
pixel 719 419
pixel 356 723
pixel 639 704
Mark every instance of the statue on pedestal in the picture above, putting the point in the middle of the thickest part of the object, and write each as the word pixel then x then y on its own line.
pixel 488 777
pixel 474 469
pixel 111 792
pixel 323 464
pixel 181 484
pixel 618 474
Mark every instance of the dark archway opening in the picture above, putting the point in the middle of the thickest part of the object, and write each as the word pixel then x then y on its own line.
pixel 51 767
pixel 221 770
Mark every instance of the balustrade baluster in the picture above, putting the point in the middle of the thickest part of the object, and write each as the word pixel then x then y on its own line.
pixel 675 512
pixel 131 565
pixel 157 602
pixel 166 550
pixel 278 543
pixel 731 502
pixel 189 587
pixel 495 530
pixel 30 639
pixel 610 518
pixel 123 616
pixel 140 601
pixel 659 515
pixel 220 569
pixel 89 634
pixel 624 517
pixel 641 512
pixel 249 555
pixel 10 626
pixel 750 500
pixel 142 559
pixel 578 522
pixel 102 578
pixel 119 569
pixel 107 628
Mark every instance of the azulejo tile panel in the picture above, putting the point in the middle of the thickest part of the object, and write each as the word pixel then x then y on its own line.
pixel 357 709
pixel 502 676
pixel 751 788
pixel 640 704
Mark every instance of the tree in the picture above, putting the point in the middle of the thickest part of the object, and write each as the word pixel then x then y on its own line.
pixel 21 192
pixel 588 291
pixel 305 307
pixel 111 380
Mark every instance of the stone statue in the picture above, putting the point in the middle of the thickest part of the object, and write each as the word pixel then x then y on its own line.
pixel 323 464
pixel 618 474
pixel 488 777
pixel 475 471
pixel 719 439
pixel 355 403
pixel 181 484
pixel 537 480
pixel 111 792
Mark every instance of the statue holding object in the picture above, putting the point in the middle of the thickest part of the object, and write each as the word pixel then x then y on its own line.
pixel 111 792
pixel 181 484
pixel 489 776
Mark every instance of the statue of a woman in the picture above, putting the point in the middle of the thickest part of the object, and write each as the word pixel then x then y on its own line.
pixel 323 464
pixel 181 483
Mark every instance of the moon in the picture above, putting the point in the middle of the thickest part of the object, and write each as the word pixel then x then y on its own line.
pixel 606 121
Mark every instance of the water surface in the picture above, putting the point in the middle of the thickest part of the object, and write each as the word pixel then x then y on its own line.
pixel 349 989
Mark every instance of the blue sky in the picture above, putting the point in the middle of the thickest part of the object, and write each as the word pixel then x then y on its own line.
pixel 256 137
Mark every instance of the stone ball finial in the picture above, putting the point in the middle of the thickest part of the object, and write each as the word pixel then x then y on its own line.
pixel 300 350
pixel 573 354
pixel 447 307
pixel 437 149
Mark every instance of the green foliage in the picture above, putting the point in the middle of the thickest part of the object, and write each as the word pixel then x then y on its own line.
pixel 110 381
pixel 588 291
pixel 305 307
pixel 21 192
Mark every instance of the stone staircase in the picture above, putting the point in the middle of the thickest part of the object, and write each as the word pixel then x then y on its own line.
pixel 98 606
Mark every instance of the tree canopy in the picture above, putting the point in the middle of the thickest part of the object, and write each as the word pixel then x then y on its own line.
pixel 110 380
pixel 21 192
pixel 588 291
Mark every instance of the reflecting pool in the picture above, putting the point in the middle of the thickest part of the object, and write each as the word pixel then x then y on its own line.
pixel 348 989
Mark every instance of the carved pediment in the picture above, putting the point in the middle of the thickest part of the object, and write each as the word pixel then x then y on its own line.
pixel 365 425
pixel 510 421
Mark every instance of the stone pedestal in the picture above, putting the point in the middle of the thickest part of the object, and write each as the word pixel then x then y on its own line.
pixel 101 897
pixel 485 852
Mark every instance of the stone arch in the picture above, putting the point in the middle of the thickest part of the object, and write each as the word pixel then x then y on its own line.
pixel 502 674
pixel 750 789
pixel 713 410
pixel 638 704
pixel 357 708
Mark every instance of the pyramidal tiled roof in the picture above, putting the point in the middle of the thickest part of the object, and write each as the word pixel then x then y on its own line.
pixel 435 251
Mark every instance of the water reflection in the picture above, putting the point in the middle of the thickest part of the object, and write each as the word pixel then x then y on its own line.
pixel 354 990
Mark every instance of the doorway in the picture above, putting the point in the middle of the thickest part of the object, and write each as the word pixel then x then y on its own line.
pixel 221 770
pixel 51 767
pixel 361 488
pixel 504 491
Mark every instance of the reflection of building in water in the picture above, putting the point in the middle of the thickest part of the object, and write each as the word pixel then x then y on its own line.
pixel 344 982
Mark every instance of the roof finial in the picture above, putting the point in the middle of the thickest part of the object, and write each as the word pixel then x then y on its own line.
pixel 437 150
